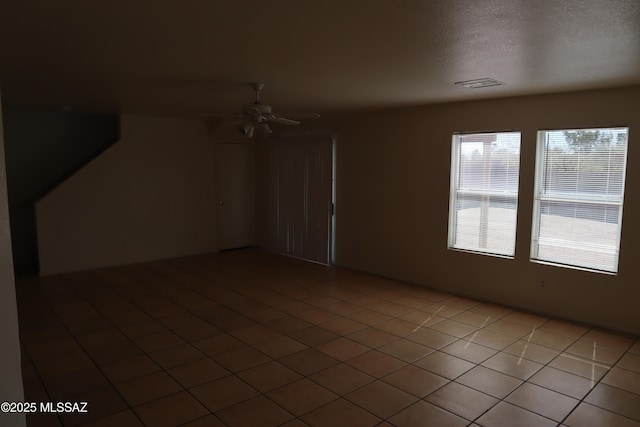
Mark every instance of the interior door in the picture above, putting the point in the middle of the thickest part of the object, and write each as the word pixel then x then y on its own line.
pixel 301 193
pixel 235 194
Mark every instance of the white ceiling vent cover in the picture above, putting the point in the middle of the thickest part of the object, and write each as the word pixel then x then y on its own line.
pixel 479 83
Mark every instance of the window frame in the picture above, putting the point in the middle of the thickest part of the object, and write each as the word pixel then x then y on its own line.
pixel 454 191
pixel 594 199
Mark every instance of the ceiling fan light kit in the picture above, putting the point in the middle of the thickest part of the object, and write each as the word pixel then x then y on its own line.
pixel 259 115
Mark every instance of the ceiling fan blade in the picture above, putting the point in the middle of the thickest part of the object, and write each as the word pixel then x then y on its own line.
pixel 282 120
pixel 223 115
pixel 301 116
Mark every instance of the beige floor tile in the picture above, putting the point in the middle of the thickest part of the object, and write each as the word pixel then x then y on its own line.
pixel 171 410
pixel 424 413
pixel 562 382
pixel 373 337
pixel 369 317
pixel 491 339
pixel 542 401
pixel 562 327
pixel 137 330
pixel 590 350
pixel 609 339
pixel 63 364
pixel 507 415
pixel 121 419
pixel 65 386
pixel 397 327
pixel 493 310
pixel 615 400
pixel 452 327
pixel 512 329
pixel 442 310
pixel 340 413
pixel 206 421
pixel 287 324
pixel 576 365
pixel 512 365
pixel 100 338
pixel 341 379
pixel 241 359
pixel 317 316
pixel 376 364
pixel 530 351
pixel 223 392
pixel 265 314
pixel 474 319
pixel 527 319
pixel 406 350
pixel 460 302
pixel 551 339
pixel 232 323
pixel 416 381
pixel 301 396
pixel 309 361
pixel 469 351
pixel 489 381
pixel 249 412
pixel 126 369
pixel 269 376
pixel 624 379
pixel 586 415
pixel 255 333
pixel 218 344
pixel 197 332
pixel 445 365
pixel 100 403
pixel 381 399
pixel 388 308
pixel 111 352
pixel 414 302
pixel 342 349
pixel 158 341
pixel 175 356
pixel 198 372
pixel 150 387
pixel 279 347
pixel 313 335
pixel 344 308
pixel 431 338
pixel 462 400
pixel 630 362
pixel 635 348
pixel 343 326
pixel 421 318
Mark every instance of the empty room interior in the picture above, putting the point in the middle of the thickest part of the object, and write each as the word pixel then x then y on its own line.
pixel 320 213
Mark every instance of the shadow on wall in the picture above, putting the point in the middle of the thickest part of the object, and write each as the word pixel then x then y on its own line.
pixel 43 148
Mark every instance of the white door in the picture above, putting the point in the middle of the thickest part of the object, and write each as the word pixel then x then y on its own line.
pixel 235 193
pixel 300 174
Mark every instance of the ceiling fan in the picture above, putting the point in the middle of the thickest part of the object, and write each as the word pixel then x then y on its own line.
pixel 258 116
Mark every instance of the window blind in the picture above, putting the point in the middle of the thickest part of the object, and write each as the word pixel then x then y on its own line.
pixel 485 171
pixel 579 191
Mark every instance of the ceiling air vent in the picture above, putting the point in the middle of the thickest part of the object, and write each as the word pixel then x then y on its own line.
pixel 479 83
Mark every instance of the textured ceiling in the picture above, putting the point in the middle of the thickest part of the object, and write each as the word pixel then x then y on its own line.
pixel 196 56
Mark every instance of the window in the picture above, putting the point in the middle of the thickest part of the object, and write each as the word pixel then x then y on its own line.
pixel 579 189
pixel 484 192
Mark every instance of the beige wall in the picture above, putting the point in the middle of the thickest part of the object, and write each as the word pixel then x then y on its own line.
pixel 10 370
pixel 393 199
pixel 150 196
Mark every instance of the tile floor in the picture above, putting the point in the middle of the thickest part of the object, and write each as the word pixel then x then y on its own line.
pixel 249 338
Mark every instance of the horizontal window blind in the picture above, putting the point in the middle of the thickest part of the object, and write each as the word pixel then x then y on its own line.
pixel 579 189
pixel 484 192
